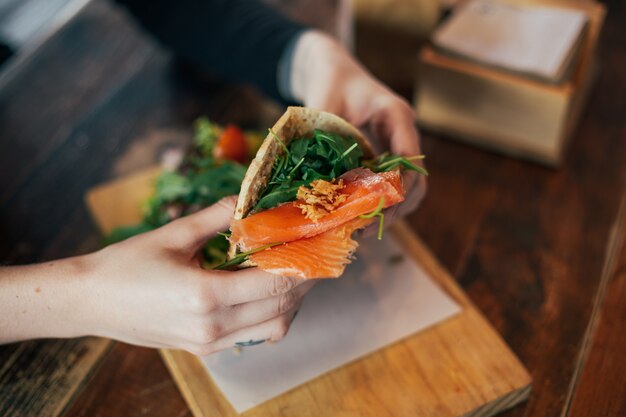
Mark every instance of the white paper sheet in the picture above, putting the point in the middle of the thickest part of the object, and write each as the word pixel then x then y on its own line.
pixel 375 303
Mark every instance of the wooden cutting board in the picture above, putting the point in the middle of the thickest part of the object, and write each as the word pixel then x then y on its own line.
pixel 460 367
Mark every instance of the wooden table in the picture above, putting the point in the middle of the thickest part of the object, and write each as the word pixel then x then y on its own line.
pixel 540 252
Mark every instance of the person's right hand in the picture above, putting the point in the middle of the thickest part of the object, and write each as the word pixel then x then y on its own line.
pixel 150 290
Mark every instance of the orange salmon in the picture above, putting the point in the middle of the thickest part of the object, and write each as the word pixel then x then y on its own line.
pixel 323 256
pixel 287 223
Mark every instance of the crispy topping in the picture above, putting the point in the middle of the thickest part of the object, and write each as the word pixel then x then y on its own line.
pixel 321 199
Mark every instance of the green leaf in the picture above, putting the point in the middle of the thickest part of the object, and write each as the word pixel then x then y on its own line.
pixel 170 186
pixel 323 156
pixel 243 256
pixel 206 135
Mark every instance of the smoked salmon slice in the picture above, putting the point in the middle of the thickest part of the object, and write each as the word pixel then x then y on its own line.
pixel 323 256
pixel 287 223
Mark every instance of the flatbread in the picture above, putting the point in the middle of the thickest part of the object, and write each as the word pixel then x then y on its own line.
pixel 295 123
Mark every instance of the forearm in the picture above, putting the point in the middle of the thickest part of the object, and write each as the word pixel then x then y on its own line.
pixel 241 40
pixel 44 300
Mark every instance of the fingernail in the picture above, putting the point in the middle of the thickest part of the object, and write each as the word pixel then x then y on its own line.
pixel 249 343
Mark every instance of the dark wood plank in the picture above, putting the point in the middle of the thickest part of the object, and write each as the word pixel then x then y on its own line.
pixel 40 377
pixel 58 86
pixel 40 104
pixel 601 389
pixel 132 381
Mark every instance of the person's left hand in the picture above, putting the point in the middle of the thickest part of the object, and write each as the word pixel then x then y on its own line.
pixel 325 76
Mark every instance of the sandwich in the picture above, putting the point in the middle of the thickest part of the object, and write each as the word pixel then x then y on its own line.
pixel 314 181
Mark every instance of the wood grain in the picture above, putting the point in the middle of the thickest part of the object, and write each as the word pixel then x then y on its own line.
pixel 604 357
pixel 131 367
pixel 83 62
pixel 40 104
pixel 50 374
pixel 456 368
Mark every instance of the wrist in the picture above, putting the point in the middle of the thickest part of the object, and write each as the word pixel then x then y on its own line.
pixel 43 301
pixel 312 57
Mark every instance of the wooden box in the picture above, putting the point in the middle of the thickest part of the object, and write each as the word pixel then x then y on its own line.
pixel 503 111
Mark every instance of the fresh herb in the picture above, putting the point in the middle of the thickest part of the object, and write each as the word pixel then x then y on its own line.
pixel 388 162
pixel 378 212
pixel 350 149
pixel 243 256
pixel 325 156
pixel 277 139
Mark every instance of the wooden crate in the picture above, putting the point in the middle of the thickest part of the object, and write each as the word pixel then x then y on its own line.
pixel 503 111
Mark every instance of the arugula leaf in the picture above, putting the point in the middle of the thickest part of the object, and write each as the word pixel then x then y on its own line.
pixel 324 156
pixel 243 256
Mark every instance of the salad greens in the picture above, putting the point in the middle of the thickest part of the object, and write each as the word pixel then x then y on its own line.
pixel 200 181
pixel 325 156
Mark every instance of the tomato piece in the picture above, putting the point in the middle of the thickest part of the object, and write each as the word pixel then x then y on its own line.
pixel 232 145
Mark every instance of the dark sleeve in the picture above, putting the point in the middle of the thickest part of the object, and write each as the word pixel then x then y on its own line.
pixel 240 40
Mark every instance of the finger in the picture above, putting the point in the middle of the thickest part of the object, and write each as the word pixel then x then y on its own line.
pixel 271 330
pixel 191 232
pixel 394 125
pixel 248 314
pixel 249 285
pixel 404 138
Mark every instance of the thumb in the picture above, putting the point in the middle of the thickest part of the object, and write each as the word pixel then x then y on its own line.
pixel 189 233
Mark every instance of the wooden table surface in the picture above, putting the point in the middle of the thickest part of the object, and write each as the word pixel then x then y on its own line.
pixel 541 252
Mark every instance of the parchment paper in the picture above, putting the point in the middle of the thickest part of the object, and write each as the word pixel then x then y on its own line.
pixel 383 297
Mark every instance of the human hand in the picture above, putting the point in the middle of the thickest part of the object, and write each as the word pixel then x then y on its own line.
pixel 325 76
pixel 150 290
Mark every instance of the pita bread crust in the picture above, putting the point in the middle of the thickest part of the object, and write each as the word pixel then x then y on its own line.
pixel 295 123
